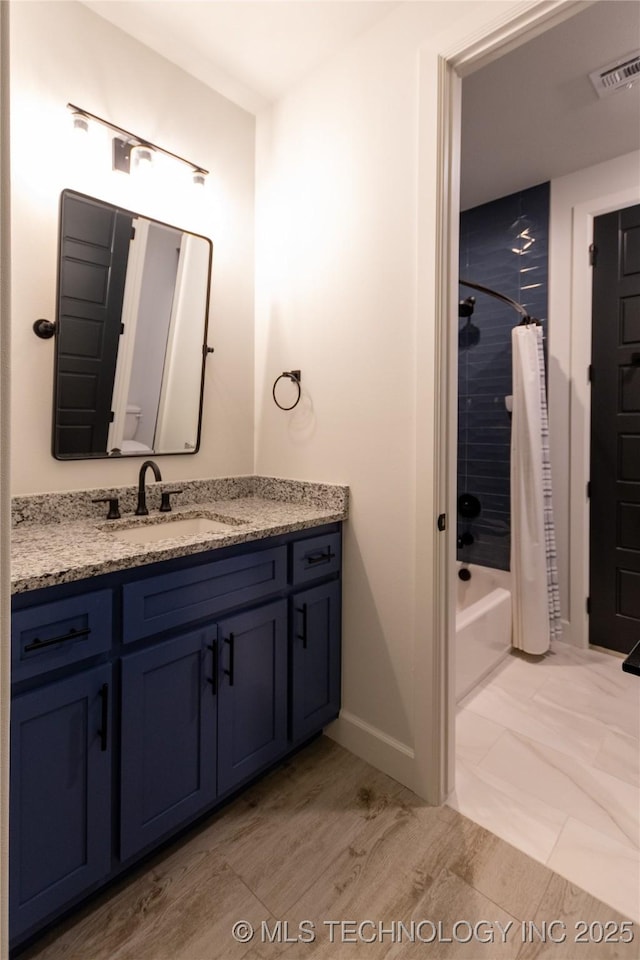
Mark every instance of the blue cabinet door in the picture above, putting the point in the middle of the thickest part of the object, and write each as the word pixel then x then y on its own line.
pixel 60 803
pixel 315 659
pixel 252 717
pixel 168 749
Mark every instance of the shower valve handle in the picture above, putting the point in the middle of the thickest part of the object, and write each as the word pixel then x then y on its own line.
pixel 466 539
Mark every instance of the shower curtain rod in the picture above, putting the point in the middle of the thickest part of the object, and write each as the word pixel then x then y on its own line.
pixel 501 296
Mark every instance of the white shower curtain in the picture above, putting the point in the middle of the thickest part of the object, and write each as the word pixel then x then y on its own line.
pixel 534 575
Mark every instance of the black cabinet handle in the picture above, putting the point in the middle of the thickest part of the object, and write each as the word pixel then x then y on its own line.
pixel 213 680
pixel 104 722
pixel 231 640
pixel 38 644
pixel 303 636
pixel 313 558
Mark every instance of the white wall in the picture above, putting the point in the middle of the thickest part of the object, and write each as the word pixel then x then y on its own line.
pixel 342 193
pixel 62 52
pixel 575 200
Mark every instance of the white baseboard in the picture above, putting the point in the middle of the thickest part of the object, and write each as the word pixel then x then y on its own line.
pixel 571 636
pixel 385 753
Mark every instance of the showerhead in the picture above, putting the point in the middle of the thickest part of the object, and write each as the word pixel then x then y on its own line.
pixel 465 307
pixel 469 335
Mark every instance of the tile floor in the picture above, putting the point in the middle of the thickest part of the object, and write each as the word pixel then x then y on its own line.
pixel 548 758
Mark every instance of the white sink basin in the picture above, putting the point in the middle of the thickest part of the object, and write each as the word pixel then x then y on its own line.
pixel 168 529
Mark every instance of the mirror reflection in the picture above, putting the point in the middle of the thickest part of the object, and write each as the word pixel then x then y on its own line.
pixel 133 298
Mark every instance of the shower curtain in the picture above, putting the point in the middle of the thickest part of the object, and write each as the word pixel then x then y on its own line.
pixel 534 575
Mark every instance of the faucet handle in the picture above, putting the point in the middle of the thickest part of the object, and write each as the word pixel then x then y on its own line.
pixel 114 507
pixel 165 505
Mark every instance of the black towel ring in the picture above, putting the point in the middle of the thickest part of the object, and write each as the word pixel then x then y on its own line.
pixel 296 377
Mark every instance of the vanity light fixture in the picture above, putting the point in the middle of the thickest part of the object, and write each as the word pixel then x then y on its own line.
pixel 129 149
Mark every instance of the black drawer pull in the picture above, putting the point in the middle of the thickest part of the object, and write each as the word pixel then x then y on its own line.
pixel 313 558
pixel 104 722
pixel 213 680
pixel 231 640
pixel 73 634
pixel 303 636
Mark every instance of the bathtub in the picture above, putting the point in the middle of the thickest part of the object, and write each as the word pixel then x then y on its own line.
pixel 483 625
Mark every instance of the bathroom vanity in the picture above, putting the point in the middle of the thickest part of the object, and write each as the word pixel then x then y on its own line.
pixel 149 690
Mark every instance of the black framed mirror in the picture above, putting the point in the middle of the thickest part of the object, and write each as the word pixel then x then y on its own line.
pixel 131 333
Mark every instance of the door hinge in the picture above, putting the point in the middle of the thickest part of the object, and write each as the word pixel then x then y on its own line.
pixel 593 255
pixel 590 373
pixel 111 416
pixel 588 605
pixel 589 490
pixel 442 522
pixel 133 233
pixel 121 329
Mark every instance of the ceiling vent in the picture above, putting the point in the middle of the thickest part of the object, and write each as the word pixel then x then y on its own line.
pixel 617 75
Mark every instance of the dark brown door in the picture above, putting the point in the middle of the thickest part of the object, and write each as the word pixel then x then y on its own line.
pixel 94 249
pixel 615 433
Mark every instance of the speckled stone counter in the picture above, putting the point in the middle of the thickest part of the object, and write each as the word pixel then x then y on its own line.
pixel 58 538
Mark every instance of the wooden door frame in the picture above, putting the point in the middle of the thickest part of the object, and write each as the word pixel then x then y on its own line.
pixel 130 309
pixel 436 366
pixel 5 495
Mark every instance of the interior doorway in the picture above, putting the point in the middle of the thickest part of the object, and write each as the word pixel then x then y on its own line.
pixel 519 757
pixel 456 65
pixel 437 350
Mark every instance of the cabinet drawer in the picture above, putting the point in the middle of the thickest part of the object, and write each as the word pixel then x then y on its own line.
pixel 315 557
pixel 173 599
pixel 57 634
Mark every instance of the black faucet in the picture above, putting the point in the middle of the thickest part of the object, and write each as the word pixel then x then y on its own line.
pixel 141 509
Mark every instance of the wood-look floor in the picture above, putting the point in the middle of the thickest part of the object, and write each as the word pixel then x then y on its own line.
pixel 326 838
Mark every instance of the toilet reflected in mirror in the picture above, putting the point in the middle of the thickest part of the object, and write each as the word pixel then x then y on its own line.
pixel 132 423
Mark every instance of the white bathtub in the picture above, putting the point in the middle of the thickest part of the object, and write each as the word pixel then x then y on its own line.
pixel 483 625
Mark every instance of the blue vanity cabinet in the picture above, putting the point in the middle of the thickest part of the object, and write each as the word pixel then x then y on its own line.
pixel 143 698
pixel 168 737
pixel 60 794
pixel 315 641
pixel 252 693
pixel 315 659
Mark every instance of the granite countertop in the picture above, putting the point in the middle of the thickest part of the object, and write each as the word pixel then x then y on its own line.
pixel 61 538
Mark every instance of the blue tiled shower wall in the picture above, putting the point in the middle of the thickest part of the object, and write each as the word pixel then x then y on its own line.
pixel 503 245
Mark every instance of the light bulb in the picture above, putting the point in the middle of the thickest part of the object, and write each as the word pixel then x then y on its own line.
pixel 80 121
pixel 142 157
